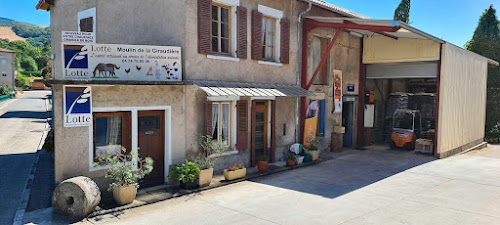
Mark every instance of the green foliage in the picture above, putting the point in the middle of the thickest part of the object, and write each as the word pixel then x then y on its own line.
pixel 7 22
pixel 29 64
pixel 236 167
pixel 23 81
pixel 263 158
pixel 402 12
pixel 185 172
pixel 312 141
pixel 4 91
pixel 121 169
pixel 209 147
pixel 287 155
pixel 486 42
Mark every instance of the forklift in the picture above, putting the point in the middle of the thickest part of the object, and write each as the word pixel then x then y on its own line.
pixel 406 129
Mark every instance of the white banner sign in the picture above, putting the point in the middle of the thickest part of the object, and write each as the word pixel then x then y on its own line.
pixel 337 90
pixel 77 106
pixel 121 62
pixel 78 37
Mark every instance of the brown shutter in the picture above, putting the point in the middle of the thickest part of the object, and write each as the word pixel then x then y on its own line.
pixel 204 26
pixel 241 52
pixel 208 118
pixel 253 161
pixel 256 35
pixel 285 41
pixel 242 125
pixel 273 129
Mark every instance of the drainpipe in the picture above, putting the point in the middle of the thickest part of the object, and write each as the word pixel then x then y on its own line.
pixel 299 64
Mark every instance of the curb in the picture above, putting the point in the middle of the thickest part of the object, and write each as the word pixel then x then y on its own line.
pixel 188 192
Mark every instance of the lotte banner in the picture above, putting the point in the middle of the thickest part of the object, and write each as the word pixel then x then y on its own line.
pixel 337 90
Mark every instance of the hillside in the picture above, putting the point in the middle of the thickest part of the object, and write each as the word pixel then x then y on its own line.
pixel 7 33
pixel 7 22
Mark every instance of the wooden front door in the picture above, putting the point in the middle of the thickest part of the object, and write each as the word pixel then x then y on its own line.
pixel 259 142
pixel 151 133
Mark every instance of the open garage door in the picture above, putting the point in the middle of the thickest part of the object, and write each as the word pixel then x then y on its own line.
pixel 402 70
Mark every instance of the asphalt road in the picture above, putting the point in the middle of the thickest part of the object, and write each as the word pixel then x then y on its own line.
pixel 22 124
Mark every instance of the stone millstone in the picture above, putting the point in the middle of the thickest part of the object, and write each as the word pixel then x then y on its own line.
pixel 76 197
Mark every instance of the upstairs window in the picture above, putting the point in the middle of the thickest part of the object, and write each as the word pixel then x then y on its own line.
pixel 4 62
pixel 221 29
pixel 268 38
pixel 87 20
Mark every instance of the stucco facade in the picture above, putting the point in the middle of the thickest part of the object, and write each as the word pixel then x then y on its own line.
pixel 7 68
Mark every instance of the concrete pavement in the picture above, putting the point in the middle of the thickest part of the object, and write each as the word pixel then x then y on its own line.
pixel 361 187
pixel 22 125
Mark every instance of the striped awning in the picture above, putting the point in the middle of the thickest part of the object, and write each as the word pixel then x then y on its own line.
pixel 226 88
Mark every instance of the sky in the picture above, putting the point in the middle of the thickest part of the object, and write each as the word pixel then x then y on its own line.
pixel 451 20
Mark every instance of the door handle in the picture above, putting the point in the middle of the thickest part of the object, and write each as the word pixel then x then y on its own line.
pixel 149 132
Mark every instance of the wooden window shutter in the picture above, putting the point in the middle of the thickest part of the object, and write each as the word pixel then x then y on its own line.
pixel 241 52
pixel 256 35
pixel 242 125
pixel 273 131
pixel 208 118
pixel 285 41
pixel 204 26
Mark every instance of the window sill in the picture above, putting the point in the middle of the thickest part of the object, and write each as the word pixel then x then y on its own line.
pixel 270 63
pixel 232 152
pixel 225 58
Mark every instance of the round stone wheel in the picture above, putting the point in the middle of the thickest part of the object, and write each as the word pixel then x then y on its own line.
pixel 76 197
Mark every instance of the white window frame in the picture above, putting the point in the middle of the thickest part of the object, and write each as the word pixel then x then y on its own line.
pixel 92 12
pixel 234 42
pixel 278 15
pixel 135 138
pixel 219 130
pixel 4 62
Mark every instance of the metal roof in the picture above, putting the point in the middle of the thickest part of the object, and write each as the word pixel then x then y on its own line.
pixel 227 88
pixel 405 31
pixel 336 9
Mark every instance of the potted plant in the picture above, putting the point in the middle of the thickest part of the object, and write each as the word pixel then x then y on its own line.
pixel 289 159
pixel 263 164
pixel 236 171
pixel 207 158
pixel 125 174
pixel 311 148
pixel 187 173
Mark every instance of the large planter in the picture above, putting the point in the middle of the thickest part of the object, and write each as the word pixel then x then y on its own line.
pixel 262 166
pixel 290 162
pixel 314 154
pixel 124 195
pixel 189 184
pixel 236 174
pixel 205 177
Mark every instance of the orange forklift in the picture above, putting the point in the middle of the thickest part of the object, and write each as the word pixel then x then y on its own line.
pixel 406 129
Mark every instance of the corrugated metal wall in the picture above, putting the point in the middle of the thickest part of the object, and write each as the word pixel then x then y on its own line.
pixel 462 98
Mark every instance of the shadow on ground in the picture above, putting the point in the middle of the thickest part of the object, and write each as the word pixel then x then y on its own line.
pixel 26 115
pixel 350 171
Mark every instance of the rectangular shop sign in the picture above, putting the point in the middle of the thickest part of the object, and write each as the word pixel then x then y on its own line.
pixel 78 37
pixel 337 90
pixel 77 106
pixel 121 62
pixel 350 88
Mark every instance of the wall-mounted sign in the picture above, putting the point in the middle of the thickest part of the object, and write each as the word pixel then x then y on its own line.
pixel 78 37
pixel 350 88
pixel 337 90
pixel 369 115
pixel 121 62
pixel 77 106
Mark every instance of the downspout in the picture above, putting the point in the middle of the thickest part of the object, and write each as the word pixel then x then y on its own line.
pixel 299 64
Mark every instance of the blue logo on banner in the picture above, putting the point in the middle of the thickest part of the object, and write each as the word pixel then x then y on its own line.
pixel 350 87
pixel 75 57
pixel 78 100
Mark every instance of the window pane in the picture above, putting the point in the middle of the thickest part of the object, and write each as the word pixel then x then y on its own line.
pixel 215 29
pixel 224 17
pixel 215 44
pixel 215 121
pixel 215 12
pixel 264 52
pixel 149 123
pixel 224 28
pixel 108 135
pixel 225 124
pixel 270 25
pixel 271 40
pixel 270 51
pixel 224 45
pixel 263 25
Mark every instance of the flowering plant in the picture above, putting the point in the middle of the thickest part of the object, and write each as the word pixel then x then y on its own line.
pixel 236 167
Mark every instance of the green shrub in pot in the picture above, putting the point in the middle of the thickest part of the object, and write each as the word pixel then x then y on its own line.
pixel 207 158
pixel 187 173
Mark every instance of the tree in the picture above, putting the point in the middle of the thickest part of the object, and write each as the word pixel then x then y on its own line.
pixel 486 42
pixel 402 12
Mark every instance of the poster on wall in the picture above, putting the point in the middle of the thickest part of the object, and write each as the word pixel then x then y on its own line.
pixel 77 102
pixel 121 62
pixel 337 91
pixel 311 122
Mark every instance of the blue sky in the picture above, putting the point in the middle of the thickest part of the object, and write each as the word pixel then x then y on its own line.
pixel 452 20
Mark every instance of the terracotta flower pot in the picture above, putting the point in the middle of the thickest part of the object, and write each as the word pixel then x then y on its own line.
pixel 263 165
pixel 236 174
pixel 205 177
pixel 290 162
pixel 124 195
